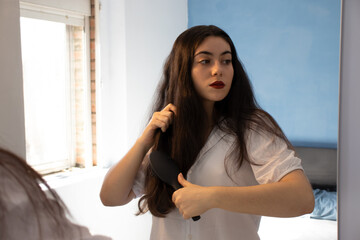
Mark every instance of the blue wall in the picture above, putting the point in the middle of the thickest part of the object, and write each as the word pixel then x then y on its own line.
pixel 290 49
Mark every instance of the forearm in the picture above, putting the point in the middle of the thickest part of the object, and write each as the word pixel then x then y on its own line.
pixel 118 182
pixel 117 185
pixel 287 198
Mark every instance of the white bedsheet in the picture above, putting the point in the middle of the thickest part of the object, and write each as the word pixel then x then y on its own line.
pixel 298 228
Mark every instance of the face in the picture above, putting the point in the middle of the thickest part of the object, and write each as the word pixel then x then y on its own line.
pixel 212 71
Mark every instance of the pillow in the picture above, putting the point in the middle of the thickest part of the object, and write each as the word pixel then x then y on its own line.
pixel 325 205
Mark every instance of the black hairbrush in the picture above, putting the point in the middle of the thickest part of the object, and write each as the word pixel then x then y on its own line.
pixel 166 169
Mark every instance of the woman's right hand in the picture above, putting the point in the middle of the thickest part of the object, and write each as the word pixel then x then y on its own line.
pixel 161 120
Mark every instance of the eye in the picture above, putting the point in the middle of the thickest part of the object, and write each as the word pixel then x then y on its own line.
pixel 204 61
pixel 227 61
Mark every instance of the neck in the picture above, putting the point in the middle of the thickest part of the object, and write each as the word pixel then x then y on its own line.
pixel 209 109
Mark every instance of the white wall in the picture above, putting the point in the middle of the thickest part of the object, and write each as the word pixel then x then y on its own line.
pixel 349 129
pixel 151 29
pixel 136 37
pixel 111 120
pixel 81 195
pixel 12 123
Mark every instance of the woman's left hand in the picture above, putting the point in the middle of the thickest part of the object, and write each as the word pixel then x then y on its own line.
pixel 191 200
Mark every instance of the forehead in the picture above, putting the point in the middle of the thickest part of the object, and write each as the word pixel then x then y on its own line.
pixel 213 44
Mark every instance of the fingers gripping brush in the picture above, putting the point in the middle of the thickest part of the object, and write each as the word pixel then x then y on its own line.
pixel 166 170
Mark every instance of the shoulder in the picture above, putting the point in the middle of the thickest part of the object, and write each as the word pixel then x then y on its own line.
pixel 263 127
pixel 261 120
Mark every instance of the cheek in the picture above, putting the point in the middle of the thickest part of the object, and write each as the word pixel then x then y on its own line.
pixel 231 72
pixel 197 79
pixel 231 75
pixel 199 87
pixel 196 74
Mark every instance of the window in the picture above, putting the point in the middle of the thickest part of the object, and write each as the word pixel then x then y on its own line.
pixel 56 88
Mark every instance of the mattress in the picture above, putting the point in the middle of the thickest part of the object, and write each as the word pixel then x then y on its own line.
pixel 297 228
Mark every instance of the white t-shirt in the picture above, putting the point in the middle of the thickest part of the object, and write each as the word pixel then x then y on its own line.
pixel 273 161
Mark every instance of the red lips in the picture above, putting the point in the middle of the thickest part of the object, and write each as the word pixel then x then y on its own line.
pixel 217 85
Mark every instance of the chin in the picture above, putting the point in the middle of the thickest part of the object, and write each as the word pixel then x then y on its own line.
pixel 218 98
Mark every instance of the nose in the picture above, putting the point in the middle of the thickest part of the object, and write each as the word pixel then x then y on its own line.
pixel 216 69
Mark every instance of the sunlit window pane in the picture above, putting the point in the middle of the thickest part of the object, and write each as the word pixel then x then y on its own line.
pixel 46 80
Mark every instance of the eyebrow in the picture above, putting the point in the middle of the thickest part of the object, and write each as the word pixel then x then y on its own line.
pixel 209 53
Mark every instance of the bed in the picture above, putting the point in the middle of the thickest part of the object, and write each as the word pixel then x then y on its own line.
pixel 320 165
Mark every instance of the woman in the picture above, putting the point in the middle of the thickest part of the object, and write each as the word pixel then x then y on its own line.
pixel 238 163
pixel 27 211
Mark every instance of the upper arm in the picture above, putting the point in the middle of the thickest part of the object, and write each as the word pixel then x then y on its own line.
pixel 299 182
pixel 297 176
pixel 130 197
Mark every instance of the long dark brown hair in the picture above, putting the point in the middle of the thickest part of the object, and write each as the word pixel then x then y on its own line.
pixel 30 181
pixel 183 140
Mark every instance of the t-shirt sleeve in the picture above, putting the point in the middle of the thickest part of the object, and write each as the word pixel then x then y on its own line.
pixel 270 157
pixel 139 182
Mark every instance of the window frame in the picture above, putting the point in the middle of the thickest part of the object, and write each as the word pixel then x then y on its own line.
pixel 70 18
